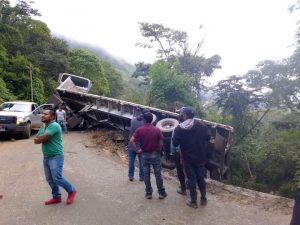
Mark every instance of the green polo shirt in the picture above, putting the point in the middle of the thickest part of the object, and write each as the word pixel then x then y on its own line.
pixel 53 146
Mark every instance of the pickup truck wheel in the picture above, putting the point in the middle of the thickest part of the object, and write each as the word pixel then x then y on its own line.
pixel 27 131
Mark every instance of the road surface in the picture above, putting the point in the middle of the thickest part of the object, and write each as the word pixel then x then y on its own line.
pixel 105 196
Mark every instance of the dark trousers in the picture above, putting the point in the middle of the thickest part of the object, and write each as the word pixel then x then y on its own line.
pixel 195 174
pixel 180 173
pixel 296 211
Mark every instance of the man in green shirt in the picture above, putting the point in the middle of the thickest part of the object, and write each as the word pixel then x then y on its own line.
pixel 49 136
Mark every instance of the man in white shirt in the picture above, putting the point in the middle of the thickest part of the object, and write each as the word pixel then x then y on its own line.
pixel 61 118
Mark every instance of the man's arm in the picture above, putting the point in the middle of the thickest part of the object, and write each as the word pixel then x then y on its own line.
pixel 176 137
pixel 133 142
pixel 43 138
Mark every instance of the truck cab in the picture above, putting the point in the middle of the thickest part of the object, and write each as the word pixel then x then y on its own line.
pixel 20 117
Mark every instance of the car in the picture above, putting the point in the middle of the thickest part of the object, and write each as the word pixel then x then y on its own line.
pixel 21 117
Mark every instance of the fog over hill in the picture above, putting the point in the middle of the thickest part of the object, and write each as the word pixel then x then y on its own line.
pixel 117 63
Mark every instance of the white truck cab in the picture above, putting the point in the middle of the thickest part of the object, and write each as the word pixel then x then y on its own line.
pixel 21 117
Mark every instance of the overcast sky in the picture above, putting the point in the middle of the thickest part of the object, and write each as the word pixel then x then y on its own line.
pixel 242 32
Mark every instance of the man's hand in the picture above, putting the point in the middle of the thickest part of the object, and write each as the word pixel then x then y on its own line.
pixel 139 151
pixel 43 138
pixel 37 140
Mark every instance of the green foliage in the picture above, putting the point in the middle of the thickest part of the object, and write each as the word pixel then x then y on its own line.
pixel 114 78
pixel 86 64
pixel 173 46
pixel 5 94
pixel 168 89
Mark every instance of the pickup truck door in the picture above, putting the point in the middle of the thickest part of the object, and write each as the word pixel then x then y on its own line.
pixel 36 115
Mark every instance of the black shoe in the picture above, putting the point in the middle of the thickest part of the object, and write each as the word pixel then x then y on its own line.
pixel 203 201
pixel 148 195
pixel 192 204
pixel 181 192
pixel 162 195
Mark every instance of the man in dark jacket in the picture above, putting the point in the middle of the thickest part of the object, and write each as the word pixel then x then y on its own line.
pixel 192 136
pixel 296 211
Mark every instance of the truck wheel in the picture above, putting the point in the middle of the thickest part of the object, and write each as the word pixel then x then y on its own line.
pixel 167 162
pixel 27 131
pixel 167 125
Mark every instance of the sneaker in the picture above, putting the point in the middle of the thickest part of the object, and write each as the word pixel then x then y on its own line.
pixel 181 192
pixel 130 178
pixel 71 197
pixel 141 179
pixel 148 195
pixel 192 204
pixel 162 195
pixel 203 201
pixel 53 201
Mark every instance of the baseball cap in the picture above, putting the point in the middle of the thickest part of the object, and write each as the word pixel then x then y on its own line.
pixel 189 111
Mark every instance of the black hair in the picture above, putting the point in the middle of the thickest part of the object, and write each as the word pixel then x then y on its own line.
pixel 148 117
pixel 51 110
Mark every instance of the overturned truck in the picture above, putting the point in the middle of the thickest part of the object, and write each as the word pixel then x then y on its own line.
pixel 90 110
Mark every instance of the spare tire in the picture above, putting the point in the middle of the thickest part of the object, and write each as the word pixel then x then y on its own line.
pixel 167 125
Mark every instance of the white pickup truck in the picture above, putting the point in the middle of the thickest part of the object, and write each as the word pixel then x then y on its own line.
pixel 20 117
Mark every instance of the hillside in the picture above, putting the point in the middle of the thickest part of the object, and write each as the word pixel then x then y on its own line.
pixel 118 63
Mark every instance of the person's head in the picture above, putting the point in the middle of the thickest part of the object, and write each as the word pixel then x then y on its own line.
pixel 148 117
pixel 186 113
pixel 48 116
pixel 144 111
pixel 60 107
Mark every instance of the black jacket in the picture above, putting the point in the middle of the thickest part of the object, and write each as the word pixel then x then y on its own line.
pixel 193 143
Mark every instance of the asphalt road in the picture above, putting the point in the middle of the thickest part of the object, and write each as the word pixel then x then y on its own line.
pixel 105 196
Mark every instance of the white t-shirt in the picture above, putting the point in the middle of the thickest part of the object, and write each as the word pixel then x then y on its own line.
pixel 60 115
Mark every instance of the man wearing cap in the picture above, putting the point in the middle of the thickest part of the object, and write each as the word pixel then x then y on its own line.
pixel 192 136
pixel 135 123
pixel 151 140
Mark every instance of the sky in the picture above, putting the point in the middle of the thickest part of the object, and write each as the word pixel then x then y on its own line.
pixel 242 32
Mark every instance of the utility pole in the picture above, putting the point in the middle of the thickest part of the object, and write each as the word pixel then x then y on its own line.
pixel 31 85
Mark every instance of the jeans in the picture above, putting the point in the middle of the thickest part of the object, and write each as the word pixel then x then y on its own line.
pixel 131 159
pixel 154 160
pixel 195 174
pixel 53 167
pixel 63 124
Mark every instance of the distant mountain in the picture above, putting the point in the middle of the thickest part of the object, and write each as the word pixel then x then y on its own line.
pixel 118 63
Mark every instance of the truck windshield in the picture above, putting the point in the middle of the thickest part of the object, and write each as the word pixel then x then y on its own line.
pixel 15 107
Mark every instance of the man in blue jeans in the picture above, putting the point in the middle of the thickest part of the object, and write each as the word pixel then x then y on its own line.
pixel 151 140
pixel 135 123
pixel 49 136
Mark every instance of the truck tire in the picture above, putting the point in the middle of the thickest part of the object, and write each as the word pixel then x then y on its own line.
pixel 167 125
pixel 27 131
pixel 167 162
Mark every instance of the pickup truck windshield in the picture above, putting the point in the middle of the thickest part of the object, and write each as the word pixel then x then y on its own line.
pixel 15 107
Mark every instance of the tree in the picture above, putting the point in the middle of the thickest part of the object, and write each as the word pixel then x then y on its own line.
pixel 86 64
pixel 114 79
pixel 173 46
pixel 168 89
pixel 142 71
